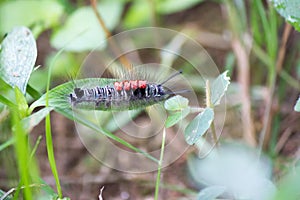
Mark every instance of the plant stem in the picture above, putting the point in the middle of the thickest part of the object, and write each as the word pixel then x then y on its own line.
pixel 289 79
pixel 35 147
pixel 160 164
pixel 21 148
pixel 210 105
pixel 238 27
pixel 125 62
pixel 265 133
pixel 196 109
pixel 105 29
pixel 50 153
pixel 244 81
pixel 153 16
pixel 49 143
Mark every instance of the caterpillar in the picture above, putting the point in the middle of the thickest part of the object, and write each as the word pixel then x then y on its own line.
pixel 122 95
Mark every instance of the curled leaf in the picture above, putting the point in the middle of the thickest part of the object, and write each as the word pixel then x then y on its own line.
pixel 219 87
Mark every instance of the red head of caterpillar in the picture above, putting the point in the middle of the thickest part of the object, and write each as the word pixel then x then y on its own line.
pixel 122 95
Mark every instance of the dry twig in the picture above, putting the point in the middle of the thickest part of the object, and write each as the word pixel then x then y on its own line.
pixel 110 40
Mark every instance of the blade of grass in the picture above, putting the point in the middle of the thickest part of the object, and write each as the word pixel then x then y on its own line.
pixel 49 142
pixel 273 46
pixel 35 146
pixel 33 92
pixel 269 115
pixel 160 164
pixel 241 50
pixel 289 79
pixel 51 158
pixel 279 94
pixel 5 89
pixel 263 56
pixel 7 143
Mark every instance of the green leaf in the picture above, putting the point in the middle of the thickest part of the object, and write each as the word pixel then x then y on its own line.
pixel 21 102
pixel 34 119
pixel 4 87
pixel 82 30
pixel 211 193
pixel 175 117
pixel 219 87
pixel 176 103
pixel 171 6
pixel 58 99
pixel 59 96
pixel 289 10
pixel 17 57
pixel 45 13
pixel 7 102
pixel 179 108
pixel 198 126
pixel 6 94
pixel 297 105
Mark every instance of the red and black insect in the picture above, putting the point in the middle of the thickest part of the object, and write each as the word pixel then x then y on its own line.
pixel 121 95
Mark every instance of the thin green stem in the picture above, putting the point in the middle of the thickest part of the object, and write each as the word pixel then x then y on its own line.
pixel 153 17
pixel 51 158
pixel 35 147
pixel 263 56
pixel 196 109
pixel 160 164
pixel 7 143
pixel 289 79
pixel 49 142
